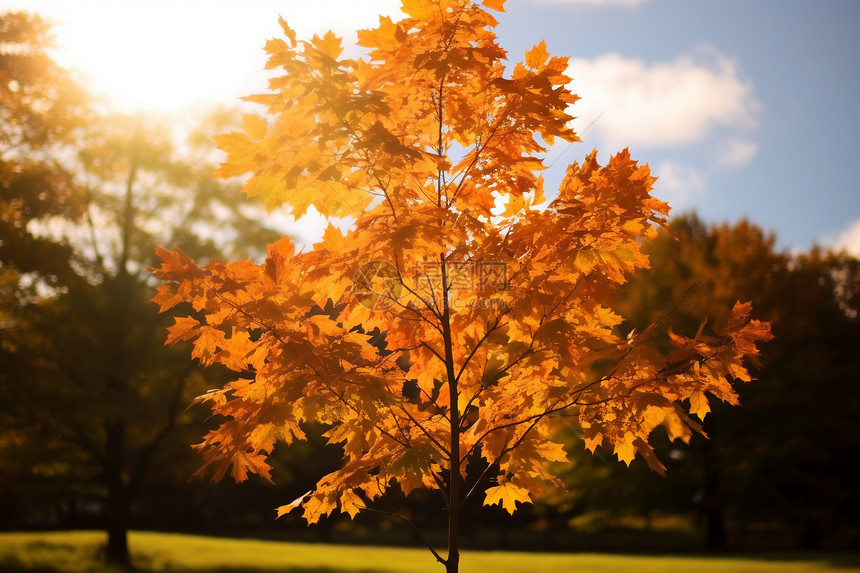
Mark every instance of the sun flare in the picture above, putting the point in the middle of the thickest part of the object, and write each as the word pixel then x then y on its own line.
pixel 173 57
pixel 150 60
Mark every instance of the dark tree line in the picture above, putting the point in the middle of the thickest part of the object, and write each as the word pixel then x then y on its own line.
pixel 780 470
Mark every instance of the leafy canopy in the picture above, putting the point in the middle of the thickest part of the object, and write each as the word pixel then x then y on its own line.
pixel 462 314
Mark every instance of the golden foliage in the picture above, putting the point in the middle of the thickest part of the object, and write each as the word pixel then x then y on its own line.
pixel 462 314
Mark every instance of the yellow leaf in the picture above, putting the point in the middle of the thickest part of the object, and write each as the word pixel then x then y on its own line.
pixel 288 32
pixel 552 452
pixel 321 324
pixel 417 9
pixel 285 509
pixel 507 495
pixel 185 328
pixel 675 427
pixel 255 126
pixel 350 503
pixel 328 45
pixel 537 56
pixel 699 405
pixel 625 450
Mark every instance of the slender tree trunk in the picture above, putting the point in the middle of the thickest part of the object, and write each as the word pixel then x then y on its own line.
pixel 117 384
pixel 453 561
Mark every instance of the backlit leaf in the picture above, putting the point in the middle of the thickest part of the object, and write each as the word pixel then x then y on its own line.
pixel 507 495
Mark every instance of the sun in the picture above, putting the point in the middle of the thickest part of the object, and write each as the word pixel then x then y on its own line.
pixel 169 56
pixel 150 59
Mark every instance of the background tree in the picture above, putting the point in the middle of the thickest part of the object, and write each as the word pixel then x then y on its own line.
pixel 41 112
pixel 782 463
pixel 495 320
pixel 92 393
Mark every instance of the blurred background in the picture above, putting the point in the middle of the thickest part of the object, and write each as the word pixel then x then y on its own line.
pixel 94 426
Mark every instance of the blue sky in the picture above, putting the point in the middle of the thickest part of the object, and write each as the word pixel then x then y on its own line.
pixel 783 155
pixel 742 108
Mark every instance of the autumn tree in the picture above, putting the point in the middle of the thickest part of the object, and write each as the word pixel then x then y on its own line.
pixel 463 314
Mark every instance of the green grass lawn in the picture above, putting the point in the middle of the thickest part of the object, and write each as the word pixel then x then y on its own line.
pixel 78 552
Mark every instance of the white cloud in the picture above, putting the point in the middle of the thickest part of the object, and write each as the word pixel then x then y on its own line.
pixel 679 185
pixel 665 103
pixel 848 239
pixel 736 152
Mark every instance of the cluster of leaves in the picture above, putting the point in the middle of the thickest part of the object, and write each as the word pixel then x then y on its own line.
pixel 433 146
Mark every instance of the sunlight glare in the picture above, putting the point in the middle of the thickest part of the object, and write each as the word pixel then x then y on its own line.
pixel 151 60
pixel 171 57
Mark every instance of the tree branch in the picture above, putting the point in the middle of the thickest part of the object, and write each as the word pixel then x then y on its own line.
pixel 414 528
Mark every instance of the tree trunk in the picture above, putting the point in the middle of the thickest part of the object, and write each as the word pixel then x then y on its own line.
pixel 118 497
pixel 117 386
pixel 715 525
pixel 452 563
pixel 117 531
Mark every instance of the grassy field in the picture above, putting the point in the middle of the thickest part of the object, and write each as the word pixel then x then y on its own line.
pixel 78 552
